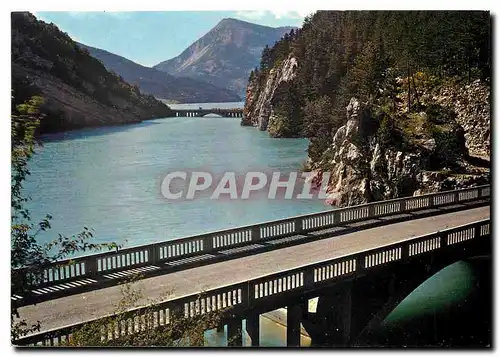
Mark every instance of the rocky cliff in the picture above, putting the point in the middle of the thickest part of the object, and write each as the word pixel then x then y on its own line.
pixel 471 103
pixel 261 93
pixel 365 166
pixel 393 103
pixel 76 88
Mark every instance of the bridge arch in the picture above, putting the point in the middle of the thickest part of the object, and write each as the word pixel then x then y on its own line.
pixel 189 113
pixel 348 313
pixel 424 305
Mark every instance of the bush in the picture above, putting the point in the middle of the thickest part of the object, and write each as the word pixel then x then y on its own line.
pixel 449 150
pixel 438 114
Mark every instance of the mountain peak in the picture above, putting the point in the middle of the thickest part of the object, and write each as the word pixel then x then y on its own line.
pixel 226 54
pixel 231 21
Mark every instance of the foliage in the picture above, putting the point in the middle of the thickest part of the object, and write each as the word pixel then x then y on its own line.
pixel 319 125
pixel 385 131
pixel 38 46
pixel 450 148
pixel 27 255
pixel 171 332
pixel 384 58
pixel 288 112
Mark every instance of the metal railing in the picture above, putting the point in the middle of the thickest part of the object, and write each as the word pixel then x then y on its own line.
pixel 246 295
pixel 82 270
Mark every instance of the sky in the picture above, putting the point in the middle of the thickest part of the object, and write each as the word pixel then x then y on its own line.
pixel 149 38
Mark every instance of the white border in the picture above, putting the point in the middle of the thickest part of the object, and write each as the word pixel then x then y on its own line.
pixel 278 6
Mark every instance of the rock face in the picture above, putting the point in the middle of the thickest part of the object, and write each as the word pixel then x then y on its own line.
pixel 161 84
pixel 363 169
pixel 225 55
pixel 471 103
pixel 258 104
pixel 77 89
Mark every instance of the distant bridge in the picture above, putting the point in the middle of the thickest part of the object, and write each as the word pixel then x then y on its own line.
pixel 378 251
pixel 229 113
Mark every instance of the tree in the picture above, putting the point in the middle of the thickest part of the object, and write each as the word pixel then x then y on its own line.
pixel 27 255
pixel 265 62
pixel 174 332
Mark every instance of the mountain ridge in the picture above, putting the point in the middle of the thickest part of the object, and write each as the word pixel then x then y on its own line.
pixel 161 84
pixel 226 54
pixel 76 88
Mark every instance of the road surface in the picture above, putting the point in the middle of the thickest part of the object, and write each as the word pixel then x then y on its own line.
pixel 81 307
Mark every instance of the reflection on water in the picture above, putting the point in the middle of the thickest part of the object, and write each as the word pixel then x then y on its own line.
pixel 271 335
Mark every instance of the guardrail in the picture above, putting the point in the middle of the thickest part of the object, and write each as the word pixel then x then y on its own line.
pixel 82 270
pixel 246 295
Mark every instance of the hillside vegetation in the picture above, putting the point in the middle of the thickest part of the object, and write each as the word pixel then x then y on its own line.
pixel 161 84
pixel 417 83
pixel 76 88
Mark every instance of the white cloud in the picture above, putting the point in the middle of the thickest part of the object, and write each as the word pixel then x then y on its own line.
pixel 278 14
pixel 252 14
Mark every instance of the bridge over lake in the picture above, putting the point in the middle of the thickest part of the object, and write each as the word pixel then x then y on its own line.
pixel 377 252
pixel 229 113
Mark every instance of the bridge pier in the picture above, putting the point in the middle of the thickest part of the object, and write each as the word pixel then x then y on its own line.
pixel 347 312
pixel 253 329
pixel 294 316
pixel 234 335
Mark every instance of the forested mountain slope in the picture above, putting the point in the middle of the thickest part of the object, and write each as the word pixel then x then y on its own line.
pixel 161 84
pixel 76 88
pixel 394 103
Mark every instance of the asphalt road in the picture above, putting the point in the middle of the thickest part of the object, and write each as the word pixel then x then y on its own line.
pixel 81 307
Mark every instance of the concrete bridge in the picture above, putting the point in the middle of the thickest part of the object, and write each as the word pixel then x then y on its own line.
pixel 364 258
pixel 229 113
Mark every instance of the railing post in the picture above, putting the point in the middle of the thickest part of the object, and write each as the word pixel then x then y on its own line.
pixel 431 200
pixel 477 230
pixel 443 239
pixel 309 278
pixel 404 205
pixel 360 262
pixel 371 210
pixel 208 243
pixel 255 233
pixel 154 254
pixel 247 295
pixel 336 217
pixel 298 225
pixel 405 250
pixel 91 266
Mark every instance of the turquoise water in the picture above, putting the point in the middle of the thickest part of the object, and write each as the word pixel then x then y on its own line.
pixel 109 178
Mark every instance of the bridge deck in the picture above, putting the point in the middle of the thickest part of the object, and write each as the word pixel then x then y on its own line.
pixel 78 308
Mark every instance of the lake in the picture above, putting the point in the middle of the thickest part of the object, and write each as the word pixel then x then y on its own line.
pixel 109 179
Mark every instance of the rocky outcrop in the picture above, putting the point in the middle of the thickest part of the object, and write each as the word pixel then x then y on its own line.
pixel 364 169
pixel 260 93
pixel 471 103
